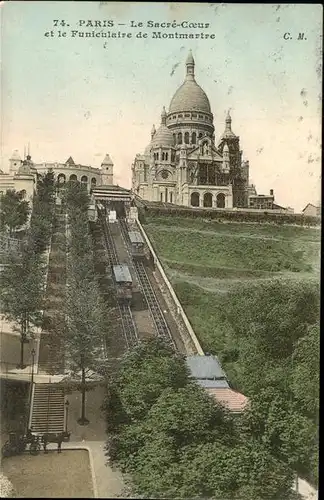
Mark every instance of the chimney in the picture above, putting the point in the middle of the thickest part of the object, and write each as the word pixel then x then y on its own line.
pixel 271 192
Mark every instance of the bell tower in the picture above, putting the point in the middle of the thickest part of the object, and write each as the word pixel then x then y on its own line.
pixel 107 174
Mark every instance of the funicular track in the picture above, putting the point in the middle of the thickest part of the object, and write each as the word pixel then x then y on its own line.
pixel 160 323
pixel 129 327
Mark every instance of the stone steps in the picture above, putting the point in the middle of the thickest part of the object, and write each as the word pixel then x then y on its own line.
pixel 48 412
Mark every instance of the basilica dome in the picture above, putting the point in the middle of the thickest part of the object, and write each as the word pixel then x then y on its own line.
pixel 190 96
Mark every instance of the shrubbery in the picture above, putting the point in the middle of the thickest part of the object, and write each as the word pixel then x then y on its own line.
pixel 267 337
pixel 175 441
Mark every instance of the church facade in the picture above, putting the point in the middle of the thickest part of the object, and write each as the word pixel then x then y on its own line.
pixel 183 164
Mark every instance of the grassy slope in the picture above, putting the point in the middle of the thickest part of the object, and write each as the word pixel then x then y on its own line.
pixel 205 259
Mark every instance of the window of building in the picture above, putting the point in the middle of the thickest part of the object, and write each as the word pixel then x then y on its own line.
pixel 166 156
pixel 201 116
pixel 161 196
pixel 186 137
pixel 166 195
pixel 164 174
pixel 193 138
pixel 194 199
pixel 220 200
pixel 174 139
pixel 180 138
pixel 171 197
pixel 187 115
pixel 208 200
pixel 179 116
pixel 200 135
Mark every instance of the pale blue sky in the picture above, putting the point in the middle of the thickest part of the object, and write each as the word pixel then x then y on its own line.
pixel 74 97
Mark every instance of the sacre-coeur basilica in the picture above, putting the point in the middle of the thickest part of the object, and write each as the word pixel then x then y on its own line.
pixel 183 164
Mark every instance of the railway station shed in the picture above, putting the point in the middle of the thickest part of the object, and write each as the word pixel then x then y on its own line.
pixel 209 374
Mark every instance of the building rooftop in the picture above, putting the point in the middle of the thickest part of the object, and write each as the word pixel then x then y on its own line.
pixel 205 367
pixel 213 384
pixel 232 400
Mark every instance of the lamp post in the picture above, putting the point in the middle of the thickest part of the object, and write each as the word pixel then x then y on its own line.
pixel 33 353
pixel 67 404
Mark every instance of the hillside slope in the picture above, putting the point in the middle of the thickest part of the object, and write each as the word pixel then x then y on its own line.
pixel 251 293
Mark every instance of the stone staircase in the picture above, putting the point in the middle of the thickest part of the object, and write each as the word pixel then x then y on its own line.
pixel 47 414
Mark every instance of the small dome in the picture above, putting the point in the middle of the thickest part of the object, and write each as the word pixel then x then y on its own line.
pixel 190 97
pixel 162 137
pixel 15 155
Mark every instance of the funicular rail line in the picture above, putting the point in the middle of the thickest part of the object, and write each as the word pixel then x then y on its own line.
pixel 129 327
pixel 161 326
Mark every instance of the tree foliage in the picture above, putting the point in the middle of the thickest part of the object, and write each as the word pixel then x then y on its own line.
pixel 43 212
pixel 174 439
pixel 86 325
pixel 267 337
pixel 22 288
pixel 14 210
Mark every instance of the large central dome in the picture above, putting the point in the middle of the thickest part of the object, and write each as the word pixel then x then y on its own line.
pixel 190 96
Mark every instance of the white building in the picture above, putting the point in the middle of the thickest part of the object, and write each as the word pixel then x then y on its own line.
pixel 23 174
pixel 182 164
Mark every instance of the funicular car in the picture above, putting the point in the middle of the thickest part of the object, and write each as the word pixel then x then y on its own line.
pixel 123 282
pixel 137 244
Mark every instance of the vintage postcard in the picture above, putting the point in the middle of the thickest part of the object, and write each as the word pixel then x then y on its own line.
pixel 160 203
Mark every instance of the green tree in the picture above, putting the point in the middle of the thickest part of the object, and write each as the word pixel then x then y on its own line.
pixel 180 443
pixel 85 329
pixel 86 325
pixel 43 212
pixel 145 372
pixel 76 197
pixel 14 210
pixel 22 293
pixel 276 421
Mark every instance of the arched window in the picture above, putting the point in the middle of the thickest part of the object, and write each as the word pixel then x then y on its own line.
pixel 73 178
pixel 220 200
pixel 84 179
pixel 186 137
pixel 193 138
pixel 61 179
pixel 194 199
pixel 171 197
pixel 174 139
pixel 166 156
pixel 163 156
pixel 208 200
pixel 179 138
pixel 93 181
